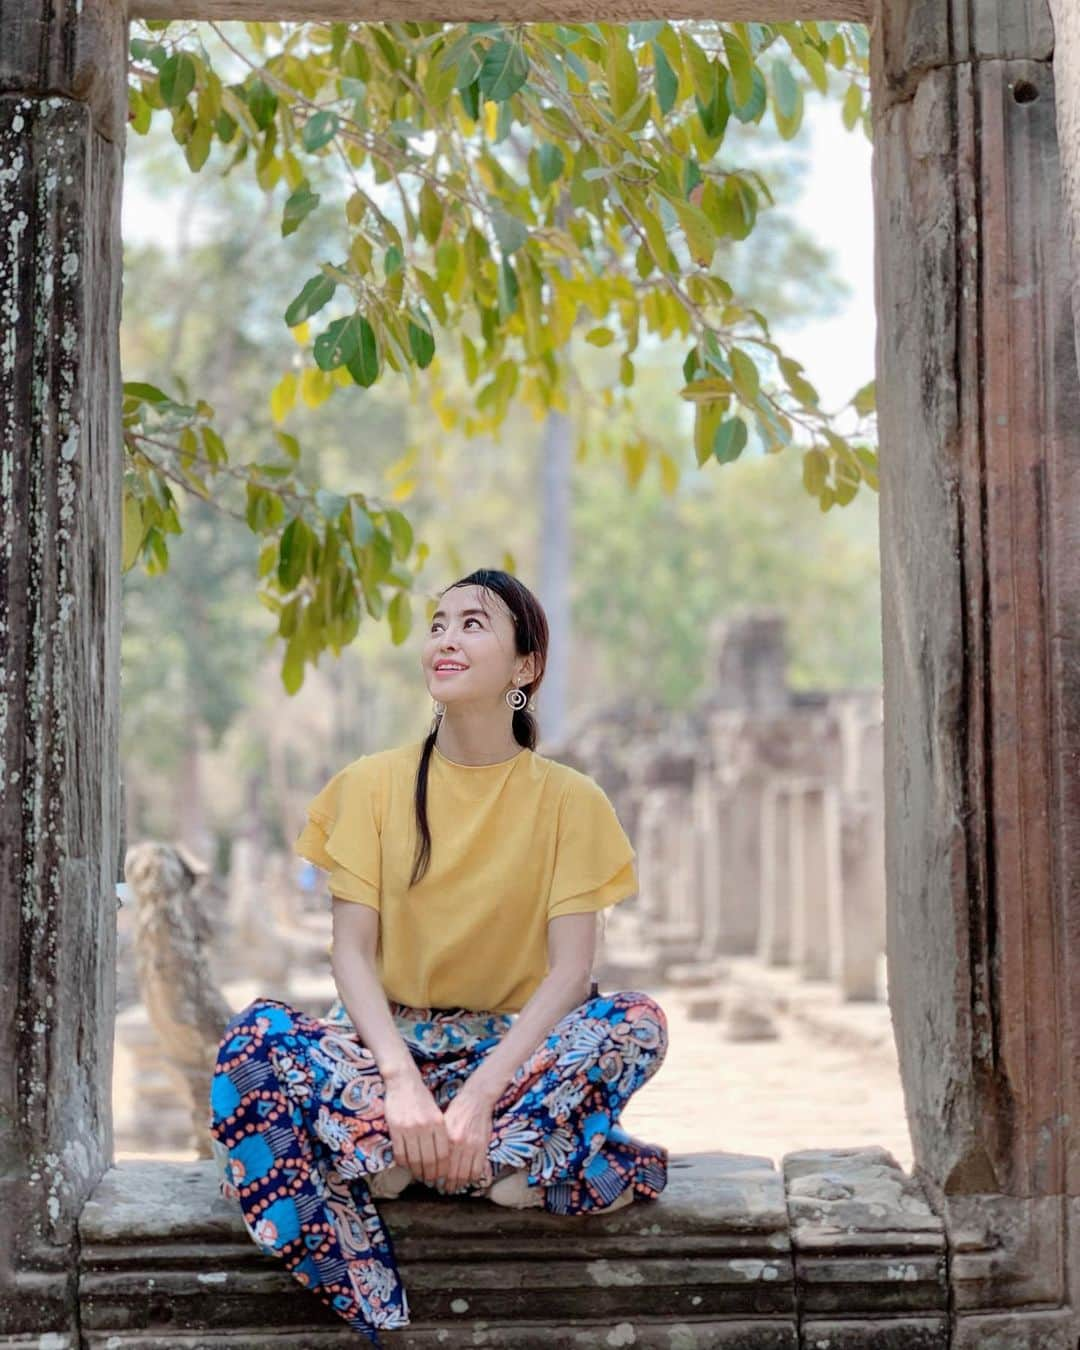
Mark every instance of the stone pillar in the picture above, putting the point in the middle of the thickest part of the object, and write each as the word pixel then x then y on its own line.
pixel 713 801
pixel 813 933
pixel 651 862
pixel 774 933
pixel 740 881
pixel 979 422
pixel 859 902
pixel 63 114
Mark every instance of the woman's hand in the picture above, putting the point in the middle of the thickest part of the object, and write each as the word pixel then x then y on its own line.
pixel 468 1128
pixel 416 1126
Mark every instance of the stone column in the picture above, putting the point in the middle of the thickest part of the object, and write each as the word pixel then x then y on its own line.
pixel 979 421
pixel 858 905
pixel 63 114
pixel 740 880
pixel 774 933
pixel 812 925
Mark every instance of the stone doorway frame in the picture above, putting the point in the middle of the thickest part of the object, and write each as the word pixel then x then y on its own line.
pixel 976 160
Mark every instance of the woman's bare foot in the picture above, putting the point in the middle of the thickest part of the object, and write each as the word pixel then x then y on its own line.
pixel 514 1191
pixel 390 1182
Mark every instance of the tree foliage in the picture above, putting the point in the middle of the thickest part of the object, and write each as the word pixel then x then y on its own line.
pixel 505 186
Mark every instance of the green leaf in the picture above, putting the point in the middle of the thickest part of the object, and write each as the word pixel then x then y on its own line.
pixel 470 100
pixel 851 108
pixel 801 387
pixel 431 213
pixel 362 526
pixel 750 109
pixel 785 89
pixel 667 82
pixel 364 366
pixel 292 666
pixel 552 162
pixel 715 112
pixel 467 65
pixel 698 231
pixel 319 129
pixel 293 551
pixel 337 343
pixel 262 102
pixel 507 289
pixel 509 231
pixel 132 525
pixel 505 69
pixel 317 291
pixel 621 75
pixel 401 532
pixel 745 374
pixel 600 337
pixel 298 205
pixel 707 418
pixel 146 393
pixel 740 66
pixel 197 149
pixel 288 443
pixel 815 471
pixel 140 112
pixel 706 390
pixel 865 399
pixel 421 344
pixel 331 504
pixel 176 79
pixel 730 440
pixel 399 616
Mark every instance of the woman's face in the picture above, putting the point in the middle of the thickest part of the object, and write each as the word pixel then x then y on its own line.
pixel 482 643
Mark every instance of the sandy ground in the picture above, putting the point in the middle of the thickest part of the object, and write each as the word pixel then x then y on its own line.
pixel 710 1093
pixel 767 1097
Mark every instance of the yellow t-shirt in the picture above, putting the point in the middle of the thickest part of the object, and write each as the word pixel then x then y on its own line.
pixel 513 844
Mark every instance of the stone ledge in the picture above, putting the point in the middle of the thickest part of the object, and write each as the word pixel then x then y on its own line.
pixel 840 1250
pixel 869 1252
pixel 166 1260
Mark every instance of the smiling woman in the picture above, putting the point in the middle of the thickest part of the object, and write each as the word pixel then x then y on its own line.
pixel 468 1047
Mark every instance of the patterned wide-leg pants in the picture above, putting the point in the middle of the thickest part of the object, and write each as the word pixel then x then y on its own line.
pixel 297 1119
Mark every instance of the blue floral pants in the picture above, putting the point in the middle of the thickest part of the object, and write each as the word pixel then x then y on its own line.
pixel 297 1120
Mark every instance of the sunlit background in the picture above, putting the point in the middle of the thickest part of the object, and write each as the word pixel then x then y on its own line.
pixel 770 1049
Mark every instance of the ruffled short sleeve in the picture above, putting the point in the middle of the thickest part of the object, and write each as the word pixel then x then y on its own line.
pixel 594 859
pixel 342 834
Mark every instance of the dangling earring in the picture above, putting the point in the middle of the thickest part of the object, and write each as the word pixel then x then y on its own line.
pixel 516 698
pixel 437 710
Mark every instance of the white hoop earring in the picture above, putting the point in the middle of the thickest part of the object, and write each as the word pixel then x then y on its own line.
pixel 516 698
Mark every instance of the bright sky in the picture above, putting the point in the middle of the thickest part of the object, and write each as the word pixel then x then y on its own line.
pixel 837 352
pixel 837 209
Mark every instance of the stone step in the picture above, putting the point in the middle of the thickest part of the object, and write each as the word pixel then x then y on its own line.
pixel 163 1254
pixel 839 1247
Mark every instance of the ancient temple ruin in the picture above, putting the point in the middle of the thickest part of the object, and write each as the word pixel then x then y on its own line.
pixel 977 196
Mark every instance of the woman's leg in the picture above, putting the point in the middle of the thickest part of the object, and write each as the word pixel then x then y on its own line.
pixel 559 1114
pixel 297 1114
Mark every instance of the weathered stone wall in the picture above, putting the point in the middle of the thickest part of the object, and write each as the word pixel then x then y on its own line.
pixel 62 117
pixel 979 421
pixel 1066 16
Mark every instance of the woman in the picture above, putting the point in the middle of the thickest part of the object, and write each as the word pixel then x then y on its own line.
pixel 467 1049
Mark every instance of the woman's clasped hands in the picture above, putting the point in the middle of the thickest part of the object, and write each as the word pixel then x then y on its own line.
pixel 446 1149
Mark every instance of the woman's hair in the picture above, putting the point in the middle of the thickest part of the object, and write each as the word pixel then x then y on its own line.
pixel 530 635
